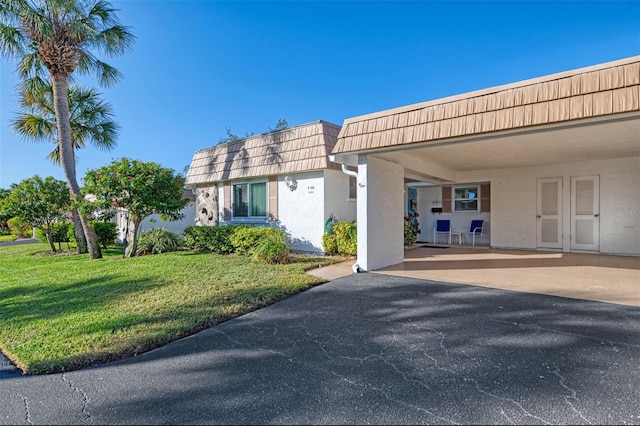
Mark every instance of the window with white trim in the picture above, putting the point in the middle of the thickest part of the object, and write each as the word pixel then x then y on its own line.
pixel 466 198
pixel 250 200
pixel 353 188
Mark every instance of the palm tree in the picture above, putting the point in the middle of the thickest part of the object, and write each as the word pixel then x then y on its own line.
pixel 61 35
pixel 89 116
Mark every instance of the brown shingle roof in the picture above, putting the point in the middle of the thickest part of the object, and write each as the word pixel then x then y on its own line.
pixel 295 149
pixel 600 90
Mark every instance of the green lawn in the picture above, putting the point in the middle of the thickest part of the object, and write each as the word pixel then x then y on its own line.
pixel 62 312
pixel 5 238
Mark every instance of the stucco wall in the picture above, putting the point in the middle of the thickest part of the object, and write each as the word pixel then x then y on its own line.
pixel 513 202
pixel 336 196
pixel 380 213
pixel 301 211
pixel 429 197
pixel 173 226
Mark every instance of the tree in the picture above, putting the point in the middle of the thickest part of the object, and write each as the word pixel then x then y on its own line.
pixel 4 216
pixel 90 118
pixel 62 36
pixel 41 202
pixel 140 189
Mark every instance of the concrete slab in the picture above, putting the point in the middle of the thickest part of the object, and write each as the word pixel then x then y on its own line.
pixel 604 278
pixel 332 272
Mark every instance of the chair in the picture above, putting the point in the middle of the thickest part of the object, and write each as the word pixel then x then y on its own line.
pixel 442 227
pixel 476 228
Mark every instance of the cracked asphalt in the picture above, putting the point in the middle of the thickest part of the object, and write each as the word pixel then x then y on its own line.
pixel 366 349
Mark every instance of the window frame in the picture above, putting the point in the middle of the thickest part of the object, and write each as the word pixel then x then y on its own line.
pixel 477 198
pixel 353 185
pixel 248 217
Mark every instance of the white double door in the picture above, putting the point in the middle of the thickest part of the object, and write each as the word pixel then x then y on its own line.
pixel 584 213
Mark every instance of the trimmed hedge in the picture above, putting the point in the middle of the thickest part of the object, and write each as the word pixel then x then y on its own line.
pixel 341 239
pixel 107 232
pixel 265 244
pixel 210 238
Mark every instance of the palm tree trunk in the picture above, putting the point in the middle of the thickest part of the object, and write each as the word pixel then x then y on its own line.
pixel 81 241
pixel 67 157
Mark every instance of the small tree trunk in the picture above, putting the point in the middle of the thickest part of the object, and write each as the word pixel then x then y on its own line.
pixel 132 237
pixel 67 157
pixel 50 240
pixel 81 241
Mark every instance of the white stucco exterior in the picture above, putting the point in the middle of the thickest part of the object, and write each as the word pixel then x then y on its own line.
pixel 513 203
pixel 176 226
pixel 303 210
pixel 380 213
pixel 430 197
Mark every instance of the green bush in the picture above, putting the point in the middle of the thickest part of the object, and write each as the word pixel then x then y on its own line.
pixel 342 239
pixel 59 233
pixel 211 238
pixel 107 232
pixel 158 240
pixel 330 243
pixel 246 238
pixel 346 237
pixel 20 228
pixel 409 237
pixel 272 248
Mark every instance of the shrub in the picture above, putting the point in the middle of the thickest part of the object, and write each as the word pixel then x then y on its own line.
pixel 329 242
pixel 60 233
pixel 246 238
pixel 20 228
pixel 272 248
pixel 107 232
pixel 411 228
pixel 346 237
pixel 158 240
pixel 342 239
pixel 409 236
pixel 211 238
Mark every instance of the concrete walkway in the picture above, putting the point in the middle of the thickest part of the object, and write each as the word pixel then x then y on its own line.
pixel 611 279
pixel 19 242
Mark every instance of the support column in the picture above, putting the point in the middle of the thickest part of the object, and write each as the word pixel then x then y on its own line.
pixel 380 213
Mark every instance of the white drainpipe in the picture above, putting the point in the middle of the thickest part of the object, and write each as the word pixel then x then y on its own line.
pixel 355 267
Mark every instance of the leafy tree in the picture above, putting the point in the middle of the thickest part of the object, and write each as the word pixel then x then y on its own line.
pixel 41 202
pixel 90 118
pixel 4 217
pixel 141 188
pixel 62 36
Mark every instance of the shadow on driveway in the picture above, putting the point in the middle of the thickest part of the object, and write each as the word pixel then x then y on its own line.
pixel 368 348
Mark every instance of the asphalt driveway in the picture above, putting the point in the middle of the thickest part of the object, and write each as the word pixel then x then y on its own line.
pixel 368 348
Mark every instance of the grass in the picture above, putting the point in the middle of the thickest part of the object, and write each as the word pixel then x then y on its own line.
pixel 6 238
pixel 63 311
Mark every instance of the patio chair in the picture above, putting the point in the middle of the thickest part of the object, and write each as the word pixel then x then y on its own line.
pixel 442 227
pixel 476 228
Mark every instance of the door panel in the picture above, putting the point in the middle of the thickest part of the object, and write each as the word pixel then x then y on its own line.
pixel 549 213
pixel 585 213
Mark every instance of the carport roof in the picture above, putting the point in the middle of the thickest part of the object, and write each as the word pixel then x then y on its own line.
pixel 599 91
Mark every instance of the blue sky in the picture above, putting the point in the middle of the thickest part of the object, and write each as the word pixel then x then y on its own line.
pixel 199 67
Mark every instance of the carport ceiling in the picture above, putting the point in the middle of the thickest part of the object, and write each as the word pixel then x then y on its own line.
pixel 595 141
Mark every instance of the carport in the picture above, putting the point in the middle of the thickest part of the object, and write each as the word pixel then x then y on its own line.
pixel 560 154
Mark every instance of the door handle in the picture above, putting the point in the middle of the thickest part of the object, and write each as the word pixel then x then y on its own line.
pixel 538 216
pixel 597 214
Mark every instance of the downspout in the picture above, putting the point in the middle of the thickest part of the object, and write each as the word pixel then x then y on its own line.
pixel 355 267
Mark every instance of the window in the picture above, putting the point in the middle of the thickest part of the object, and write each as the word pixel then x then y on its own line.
pixel 250 200
pixel 465 199
pixel 353 188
